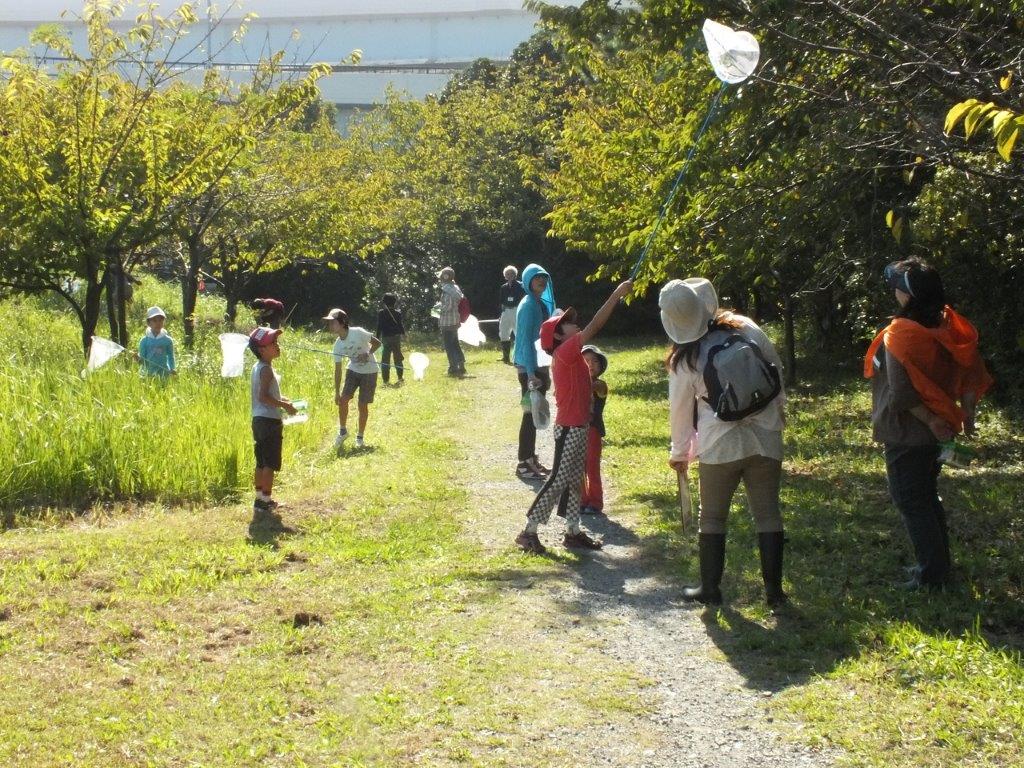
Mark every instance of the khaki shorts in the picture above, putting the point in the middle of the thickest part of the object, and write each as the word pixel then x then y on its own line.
pixel 366 383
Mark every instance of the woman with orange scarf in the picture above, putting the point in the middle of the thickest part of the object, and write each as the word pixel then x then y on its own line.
pixel 927 377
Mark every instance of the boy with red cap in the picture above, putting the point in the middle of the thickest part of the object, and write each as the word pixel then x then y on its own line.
pixel 267 426
pixel 562 338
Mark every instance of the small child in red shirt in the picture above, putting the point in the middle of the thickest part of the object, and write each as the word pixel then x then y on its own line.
pixel 562 338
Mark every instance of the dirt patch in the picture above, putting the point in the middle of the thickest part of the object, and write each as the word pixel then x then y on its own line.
pixel 304 619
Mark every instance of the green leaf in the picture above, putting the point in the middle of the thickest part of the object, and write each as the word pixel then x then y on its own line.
pixel 1006 139
pixel 976 117
pixel 956 114
pixel 897 230
pixel 1000 119
pixel 895 224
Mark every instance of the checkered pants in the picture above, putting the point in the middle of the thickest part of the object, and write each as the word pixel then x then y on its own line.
pixel 566 476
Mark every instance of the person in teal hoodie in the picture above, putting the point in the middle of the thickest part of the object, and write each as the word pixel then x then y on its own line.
pixel 535 307
pixel 156 348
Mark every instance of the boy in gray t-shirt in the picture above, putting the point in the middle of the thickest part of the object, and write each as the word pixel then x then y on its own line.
pixel 267 432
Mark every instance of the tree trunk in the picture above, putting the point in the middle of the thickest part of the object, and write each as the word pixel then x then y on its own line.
pixel 121 306
pixel 190 288
pixel 108 281
pixel 789 310
pixel 231 312
pixel 739 300
pixel 117 301
pixel 189 291
pixel 91 310
pixel 758 303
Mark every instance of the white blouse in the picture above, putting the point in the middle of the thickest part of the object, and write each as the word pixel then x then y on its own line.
pixel 716 441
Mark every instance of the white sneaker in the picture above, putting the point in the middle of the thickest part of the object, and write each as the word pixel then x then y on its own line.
pixel 360 443
pixel 340 439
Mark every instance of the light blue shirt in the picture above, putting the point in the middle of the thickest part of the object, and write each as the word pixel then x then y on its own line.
pixel 156 353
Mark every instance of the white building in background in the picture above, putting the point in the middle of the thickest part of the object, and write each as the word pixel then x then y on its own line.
pixel 413 45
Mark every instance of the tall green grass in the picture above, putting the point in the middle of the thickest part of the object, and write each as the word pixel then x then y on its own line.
pixel 171 638
pixel 70 439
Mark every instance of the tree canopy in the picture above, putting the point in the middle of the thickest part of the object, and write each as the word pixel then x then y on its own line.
pixel 869 132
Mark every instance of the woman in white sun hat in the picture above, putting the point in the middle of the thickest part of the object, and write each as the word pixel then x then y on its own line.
pixel 726 410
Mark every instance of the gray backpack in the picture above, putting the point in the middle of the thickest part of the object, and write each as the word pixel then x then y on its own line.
pixel 739 378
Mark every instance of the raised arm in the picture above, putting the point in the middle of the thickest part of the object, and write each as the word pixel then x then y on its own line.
pixel 601 316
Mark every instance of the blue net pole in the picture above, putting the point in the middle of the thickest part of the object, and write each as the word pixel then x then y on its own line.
pixel 679 180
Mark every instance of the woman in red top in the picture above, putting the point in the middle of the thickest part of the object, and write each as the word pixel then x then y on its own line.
pixel 926 377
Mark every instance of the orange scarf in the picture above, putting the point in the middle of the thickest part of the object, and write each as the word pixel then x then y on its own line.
pixel 943 363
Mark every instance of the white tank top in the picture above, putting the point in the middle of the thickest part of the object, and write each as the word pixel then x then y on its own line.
pixel 258 408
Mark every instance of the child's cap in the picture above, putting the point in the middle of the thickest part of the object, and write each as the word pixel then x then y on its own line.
pixel 155 312
pixel 337 314
pixel 550 326
pixel 264 337
pixel 602 358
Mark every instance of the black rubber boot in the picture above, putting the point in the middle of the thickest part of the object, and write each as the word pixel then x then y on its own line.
pixel 771 546
pixel 506 350
pixel 711 548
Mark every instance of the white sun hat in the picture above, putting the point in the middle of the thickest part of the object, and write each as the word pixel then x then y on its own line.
pixel 685 313
pixel 706 291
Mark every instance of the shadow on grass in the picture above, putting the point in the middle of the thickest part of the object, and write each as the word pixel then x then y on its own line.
pixel 846 550
pixel 846 547
pixel 265 529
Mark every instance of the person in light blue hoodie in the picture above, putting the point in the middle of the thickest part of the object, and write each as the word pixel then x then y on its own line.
pixel 156 348
pixel 535 307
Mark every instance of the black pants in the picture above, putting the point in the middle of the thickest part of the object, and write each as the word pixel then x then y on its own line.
pixel 913 484
pixel 391 346
pixel 527 431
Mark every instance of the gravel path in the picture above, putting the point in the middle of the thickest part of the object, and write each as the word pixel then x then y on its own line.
pixel 700 710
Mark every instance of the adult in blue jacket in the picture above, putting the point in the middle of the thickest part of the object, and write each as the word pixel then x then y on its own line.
pixel 535 307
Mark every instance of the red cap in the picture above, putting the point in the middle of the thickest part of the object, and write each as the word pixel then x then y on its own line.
pixel 262 337
pixel 550 326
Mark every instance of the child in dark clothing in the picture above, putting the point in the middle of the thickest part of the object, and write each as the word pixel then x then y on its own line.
pixel 592 497
pixel 563 339
pixel 390 331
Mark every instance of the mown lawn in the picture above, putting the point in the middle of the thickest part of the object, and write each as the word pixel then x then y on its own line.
pixel 149 625
pixel 894 678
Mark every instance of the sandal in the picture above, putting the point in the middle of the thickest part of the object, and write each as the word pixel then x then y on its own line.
pixel 538 467
pixel 580 540
pixel 530 542
pixel 527 472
